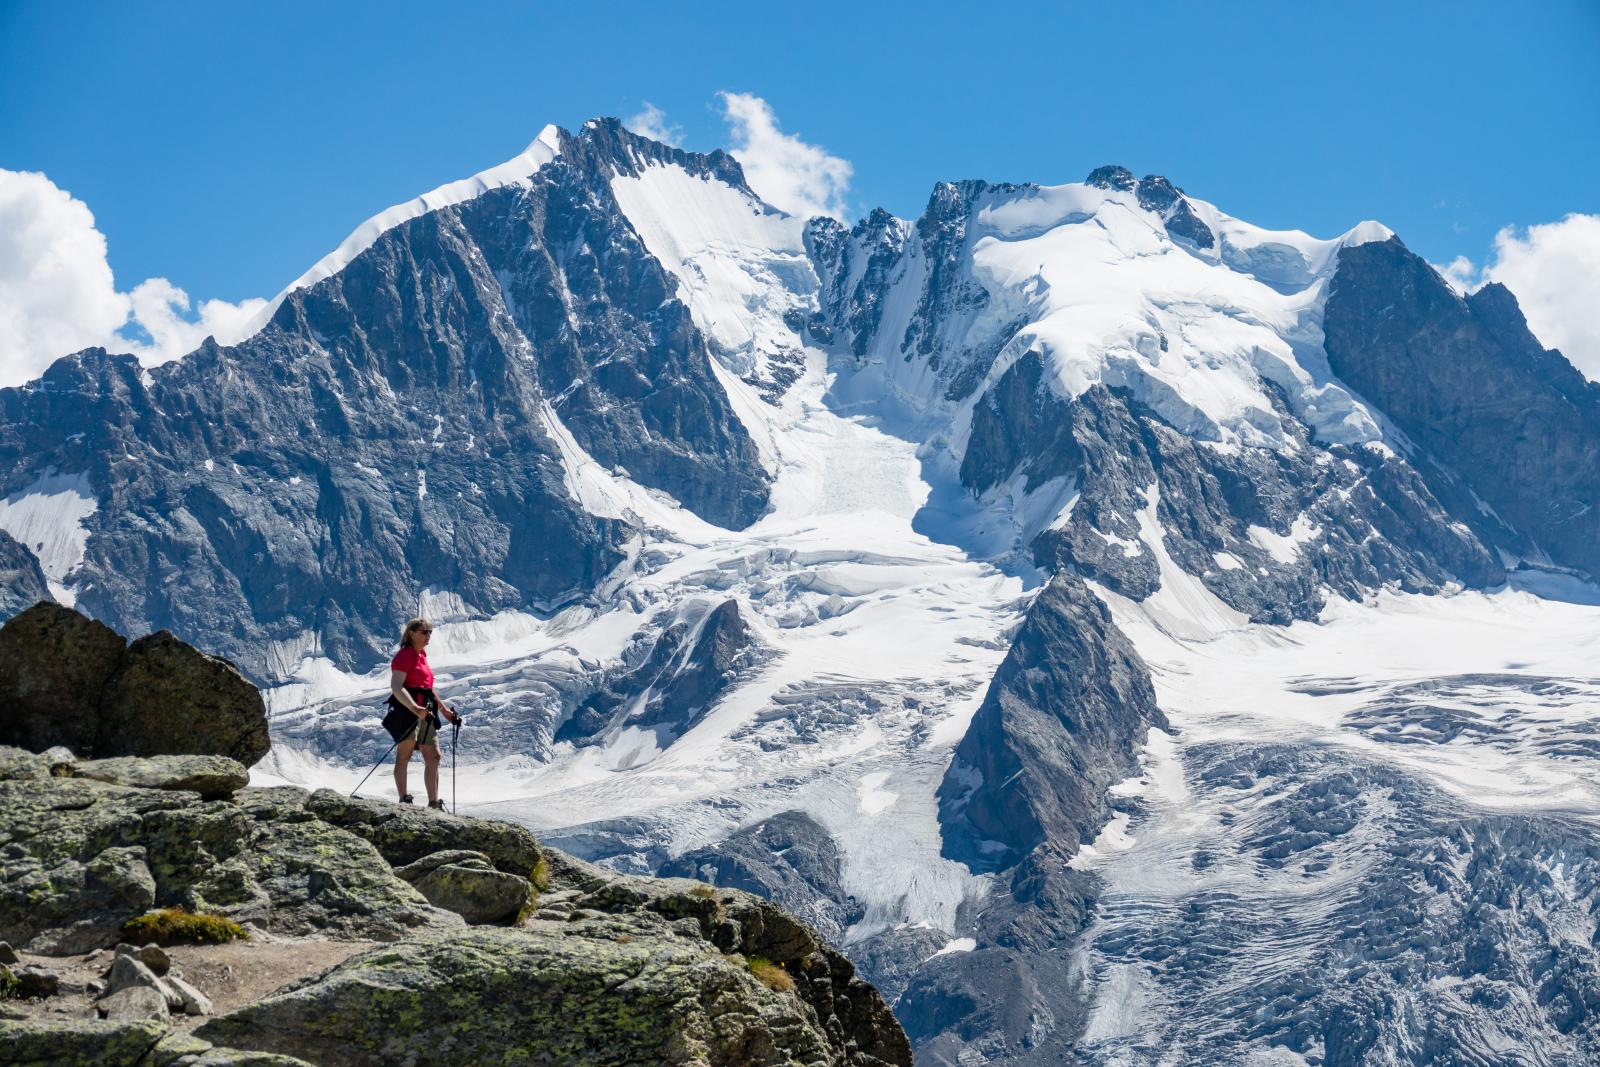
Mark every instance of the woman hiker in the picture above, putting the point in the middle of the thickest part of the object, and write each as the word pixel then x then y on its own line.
pixel 411 687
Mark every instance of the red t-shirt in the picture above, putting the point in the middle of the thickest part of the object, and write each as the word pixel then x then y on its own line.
pixel 414 661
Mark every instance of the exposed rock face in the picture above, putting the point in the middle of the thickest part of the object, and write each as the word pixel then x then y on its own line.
pixel 684 668
pixel 468 884
pixel 73 681
pixel 1468 382
pixel 404 835
pixel 167 697
pixel 1286 523
pixel 789 859
pixel 397 428
pixel 642 972
pixel 612 970
pixel 22 581
pixel 1062 721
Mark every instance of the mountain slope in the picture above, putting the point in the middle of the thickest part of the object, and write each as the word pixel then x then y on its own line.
pixel 988 586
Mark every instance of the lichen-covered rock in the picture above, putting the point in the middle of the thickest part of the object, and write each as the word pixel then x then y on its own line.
pixel 79 857
pixel 119 1043
pixel 68 680
pixel 78 1042
pixel 210 776
pixel 54 663
pixel 404 835
pixel 468 884
pixel 625 990
pixel 17 764
pixel 134 1002
pixel 169 698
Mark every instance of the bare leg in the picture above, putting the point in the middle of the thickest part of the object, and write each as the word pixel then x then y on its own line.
pixel 430 771
pixel 402 757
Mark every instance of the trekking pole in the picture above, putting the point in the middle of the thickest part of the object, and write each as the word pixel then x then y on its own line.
pixel 455 731
pixel 375 766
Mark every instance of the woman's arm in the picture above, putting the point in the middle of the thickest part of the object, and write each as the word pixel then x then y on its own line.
pixel 397 688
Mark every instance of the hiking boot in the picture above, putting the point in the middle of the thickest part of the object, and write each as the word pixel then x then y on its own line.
pixel 436 805
pixel 406 799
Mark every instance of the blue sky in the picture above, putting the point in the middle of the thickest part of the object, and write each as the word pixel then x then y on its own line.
pixel 226 147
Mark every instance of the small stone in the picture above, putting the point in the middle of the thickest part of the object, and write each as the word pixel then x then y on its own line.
pixel 134 1002
pixel 126 949
pixel 8 955
pixel 94 988
pixel 155 958
pixel 192 1000
pixel 127 972
pixel 38 981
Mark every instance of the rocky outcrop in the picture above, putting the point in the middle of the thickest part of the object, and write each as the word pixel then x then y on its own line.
pixel 622 971
pixel 121 1043
pixel 404 835
pixel 670 678
pixel 1062 721
pixel 1470 385
pixel 54 665
pixel 168 698
pixel 72 681
pixel 468 884
pixel 79 857
pixel 213 777
pixel 607 969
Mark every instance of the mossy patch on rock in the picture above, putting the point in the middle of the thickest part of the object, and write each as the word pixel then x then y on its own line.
pixel 175 926
pixel 770 974
pixel 79 1042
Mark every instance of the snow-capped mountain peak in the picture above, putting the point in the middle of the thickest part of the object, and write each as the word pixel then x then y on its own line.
pixel 519 168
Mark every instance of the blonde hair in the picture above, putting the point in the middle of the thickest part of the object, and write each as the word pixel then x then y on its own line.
pixel 410 628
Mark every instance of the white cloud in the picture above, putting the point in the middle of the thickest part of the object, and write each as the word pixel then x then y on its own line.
pixel 1460 273
pixel 1554 270
pixel 791 175
pixel 57 293
pixel 652 123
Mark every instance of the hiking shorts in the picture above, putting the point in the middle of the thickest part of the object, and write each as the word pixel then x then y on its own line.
pixel 426 733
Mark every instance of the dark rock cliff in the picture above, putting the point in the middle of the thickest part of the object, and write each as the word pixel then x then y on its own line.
pixel 1469 384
